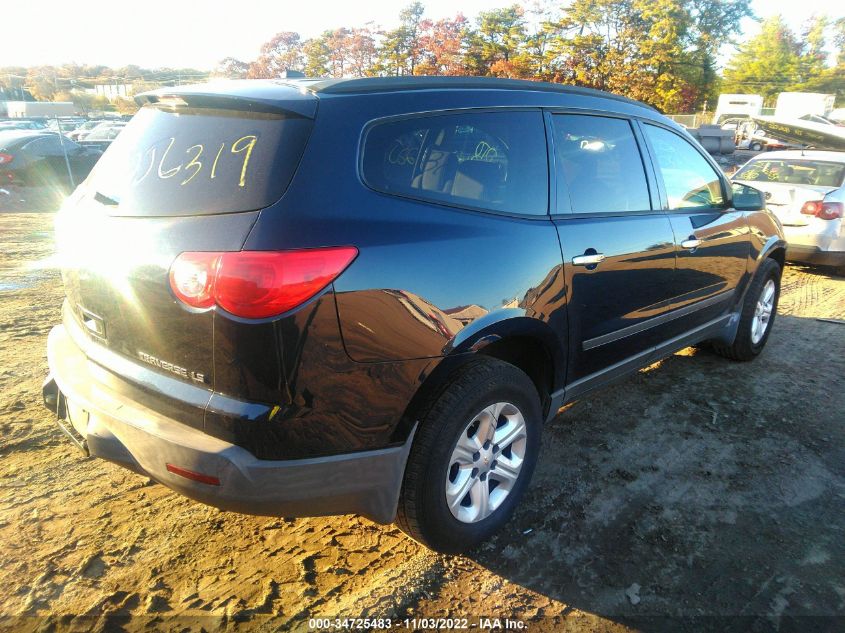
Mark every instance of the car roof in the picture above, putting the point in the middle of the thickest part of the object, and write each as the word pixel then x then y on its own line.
pixel 300 95
pixel 397 84
pixel 9 138
pixel 798 154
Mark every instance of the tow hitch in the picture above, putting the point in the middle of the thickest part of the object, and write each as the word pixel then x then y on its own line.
pixel 56 402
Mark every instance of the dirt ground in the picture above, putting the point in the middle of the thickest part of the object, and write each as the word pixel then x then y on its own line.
pixel 698 489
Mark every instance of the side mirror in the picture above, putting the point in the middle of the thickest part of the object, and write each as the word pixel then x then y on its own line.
pixel 748 198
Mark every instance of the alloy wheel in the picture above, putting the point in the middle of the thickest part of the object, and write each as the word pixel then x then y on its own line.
pixel 486 462
pixel 763 312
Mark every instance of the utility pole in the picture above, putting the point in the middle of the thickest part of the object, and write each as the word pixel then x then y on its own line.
pixel 64 151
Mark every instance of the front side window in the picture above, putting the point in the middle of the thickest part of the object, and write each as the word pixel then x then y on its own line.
pixel 690 181
pixel 487 160
pixel 599 167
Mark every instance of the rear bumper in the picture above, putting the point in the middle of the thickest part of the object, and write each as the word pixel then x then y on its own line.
pixel 815 255
pixel 107 425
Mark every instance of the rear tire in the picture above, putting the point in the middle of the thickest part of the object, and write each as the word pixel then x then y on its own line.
pixel 758 311
pixel 460 486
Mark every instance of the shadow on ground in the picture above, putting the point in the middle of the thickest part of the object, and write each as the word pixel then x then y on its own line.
pixel 699 488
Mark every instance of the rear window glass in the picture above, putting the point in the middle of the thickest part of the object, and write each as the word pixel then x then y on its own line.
pixel 193 161
pixel 796 172
pixel 487 160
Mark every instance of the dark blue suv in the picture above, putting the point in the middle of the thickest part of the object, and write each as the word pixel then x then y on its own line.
pixel 309 297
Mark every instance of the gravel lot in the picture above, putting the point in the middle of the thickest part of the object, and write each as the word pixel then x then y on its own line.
pixel 698 488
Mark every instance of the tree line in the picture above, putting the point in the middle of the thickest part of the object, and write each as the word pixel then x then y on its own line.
pixel 71 82
pixel 662 52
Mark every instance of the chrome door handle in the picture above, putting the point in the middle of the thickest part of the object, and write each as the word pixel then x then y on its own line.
pixel 588 260
pixel 691 243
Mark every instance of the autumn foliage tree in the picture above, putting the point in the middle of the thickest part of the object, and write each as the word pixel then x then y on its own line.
pixel 282 52
pixel 442 45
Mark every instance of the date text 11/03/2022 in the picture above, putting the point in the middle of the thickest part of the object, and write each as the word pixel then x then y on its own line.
pixel 416 624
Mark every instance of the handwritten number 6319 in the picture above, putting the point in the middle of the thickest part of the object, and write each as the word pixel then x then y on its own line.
pixel 194 166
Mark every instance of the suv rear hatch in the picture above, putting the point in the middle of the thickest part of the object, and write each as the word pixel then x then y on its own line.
pixel 190 172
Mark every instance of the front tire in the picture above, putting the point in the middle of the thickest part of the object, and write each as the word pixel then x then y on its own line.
pixel 473 457
pixel 758 315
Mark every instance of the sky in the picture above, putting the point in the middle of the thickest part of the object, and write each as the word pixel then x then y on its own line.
pixel 180 33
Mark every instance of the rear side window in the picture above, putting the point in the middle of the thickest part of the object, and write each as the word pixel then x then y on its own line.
pixel 599 167
pixel 195 161
pixel 487 160
pixel 690 181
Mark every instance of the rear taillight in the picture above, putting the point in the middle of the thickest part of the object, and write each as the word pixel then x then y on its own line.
pixel 192 278
pixel 5 159
pixel 256 284
pixel 823 210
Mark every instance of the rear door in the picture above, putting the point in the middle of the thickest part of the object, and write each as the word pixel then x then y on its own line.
pixel 712 245
pixel 617 245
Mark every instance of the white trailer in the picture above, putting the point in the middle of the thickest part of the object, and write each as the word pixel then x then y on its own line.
pixel 794 105
pixel 738 106
pixel 31 109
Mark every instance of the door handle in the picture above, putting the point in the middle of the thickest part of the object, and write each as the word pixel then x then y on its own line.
pixel 691 243
pixel 588 260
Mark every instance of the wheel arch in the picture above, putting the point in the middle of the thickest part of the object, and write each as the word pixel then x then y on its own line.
pixel 777 253
pixel 527 343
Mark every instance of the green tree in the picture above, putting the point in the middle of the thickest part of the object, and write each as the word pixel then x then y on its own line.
pixel 316 55
pixel 631 47
pixel 831 80
pixel 400 49
pixel 767 64
pixel 839 40
pixel 813 59
pixel 540 53
pixel 713 23
pixel 497 41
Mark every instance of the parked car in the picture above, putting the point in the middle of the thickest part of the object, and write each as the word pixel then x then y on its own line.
pixel 102 135
pixel 34 164
pixel 102 126
pixel 66 124
pixel 83 129
pixel 806 191
pixel 373 306
pixel 21 124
